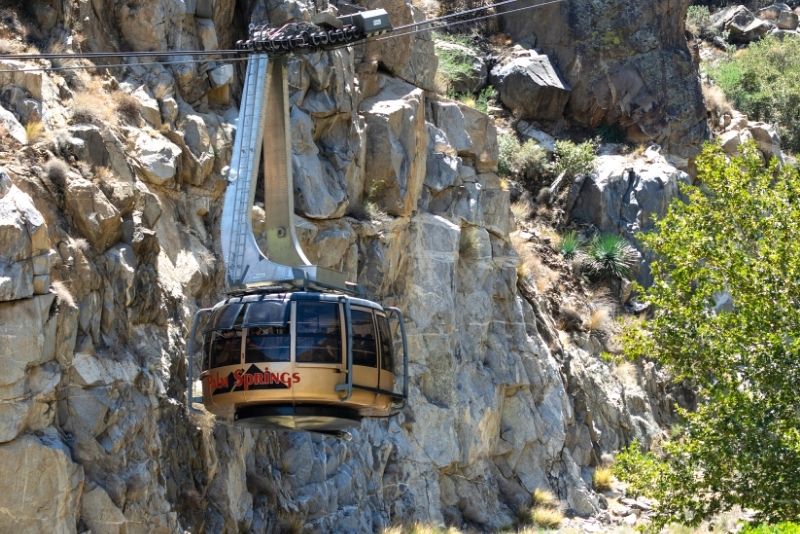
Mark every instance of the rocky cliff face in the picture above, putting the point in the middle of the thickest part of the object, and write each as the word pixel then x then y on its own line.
pixel 104 259
pixel 627 63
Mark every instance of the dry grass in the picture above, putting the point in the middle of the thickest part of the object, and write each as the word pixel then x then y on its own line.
pixel 35 131
pixel 548 518
pixel 103 174
pixel 94 104
pixel 544 498
pixel 127 106
pixel 501 39
pixel 602 478
pixel 521 210
pixel 92 107
pixel 63 294
pixel 601 320
pixel 715 99
pixel 420 528
pixel 79 243
pixel 530 266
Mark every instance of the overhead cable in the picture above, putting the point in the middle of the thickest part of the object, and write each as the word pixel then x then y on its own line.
pixel 469 21
pixel 431 24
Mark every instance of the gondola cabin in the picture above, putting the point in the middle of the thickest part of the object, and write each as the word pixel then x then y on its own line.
pixel 300 360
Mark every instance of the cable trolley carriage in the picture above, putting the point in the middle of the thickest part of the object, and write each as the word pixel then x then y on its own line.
pixel 293 345
pixel 316 361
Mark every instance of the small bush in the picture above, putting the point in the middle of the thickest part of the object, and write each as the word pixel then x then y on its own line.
pixel 600 321
pixel 642 471
pixel 698 21
pixel 523 161
pixel 761 81
pixel 549 518
pixel 91 107
pixel 570 244
pixel 56 171
pixel 521 210
pixel 610 255
pixel 574 159
pixel 487 96
pixel 35 131
pixel 454 64
pixel 602 478
pixel 127 106
pixel 786 527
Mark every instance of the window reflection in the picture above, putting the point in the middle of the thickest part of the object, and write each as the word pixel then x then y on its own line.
pixel 267 344
pixel 226 348
pixel 387 356
pixel 364 348
pixel 319 336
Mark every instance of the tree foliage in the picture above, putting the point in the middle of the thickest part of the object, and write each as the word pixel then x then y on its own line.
pixel 727 318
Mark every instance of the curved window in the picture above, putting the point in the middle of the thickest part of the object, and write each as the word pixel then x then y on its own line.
pixel 226 348
pixel 267 312
pixel 387 352
pixel 227 317
pixel 365 351
pixel 267 344
pixel 206 350
pixel 319 335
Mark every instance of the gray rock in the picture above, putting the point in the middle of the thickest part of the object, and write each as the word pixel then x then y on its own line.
pixel 767 139
pixel 531 86
pixel 396 146
pixel 773 12
pixel 100 513
pixel 207 33
pixel 10 124
pixel 483 152
pixel 788 20
pixel 742 26
pixel 543 139
pixel 410 57
pixel 624 196
pixel 319 191
pixel 44 495
pixel 148 106
pixel 24 244
pixel 156 158
pixel 96 218
pixel 614 59
pixel 18 101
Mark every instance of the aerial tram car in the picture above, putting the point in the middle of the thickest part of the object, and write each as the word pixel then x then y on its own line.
pixel 293 345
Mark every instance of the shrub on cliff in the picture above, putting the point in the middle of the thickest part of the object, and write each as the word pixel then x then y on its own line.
pixel 726 300
pixel 762 81
pixel 526 162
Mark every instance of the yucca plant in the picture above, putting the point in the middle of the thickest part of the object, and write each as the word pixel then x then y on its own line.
pixel 570 243
pixel 610 255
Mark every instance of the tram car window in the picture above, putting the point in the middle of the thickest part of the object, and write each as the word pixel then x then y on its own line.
pixel 226 348
pixel 365 351
pixel 319 334
pixel 387 352
pixel 267 344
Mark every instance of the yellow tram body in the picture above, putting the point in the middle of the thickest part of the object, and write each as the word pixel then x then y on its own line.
pixel 282 360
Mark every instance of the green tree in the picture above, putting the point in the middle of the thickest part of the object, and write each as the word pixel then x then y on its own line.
pixel 727 318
